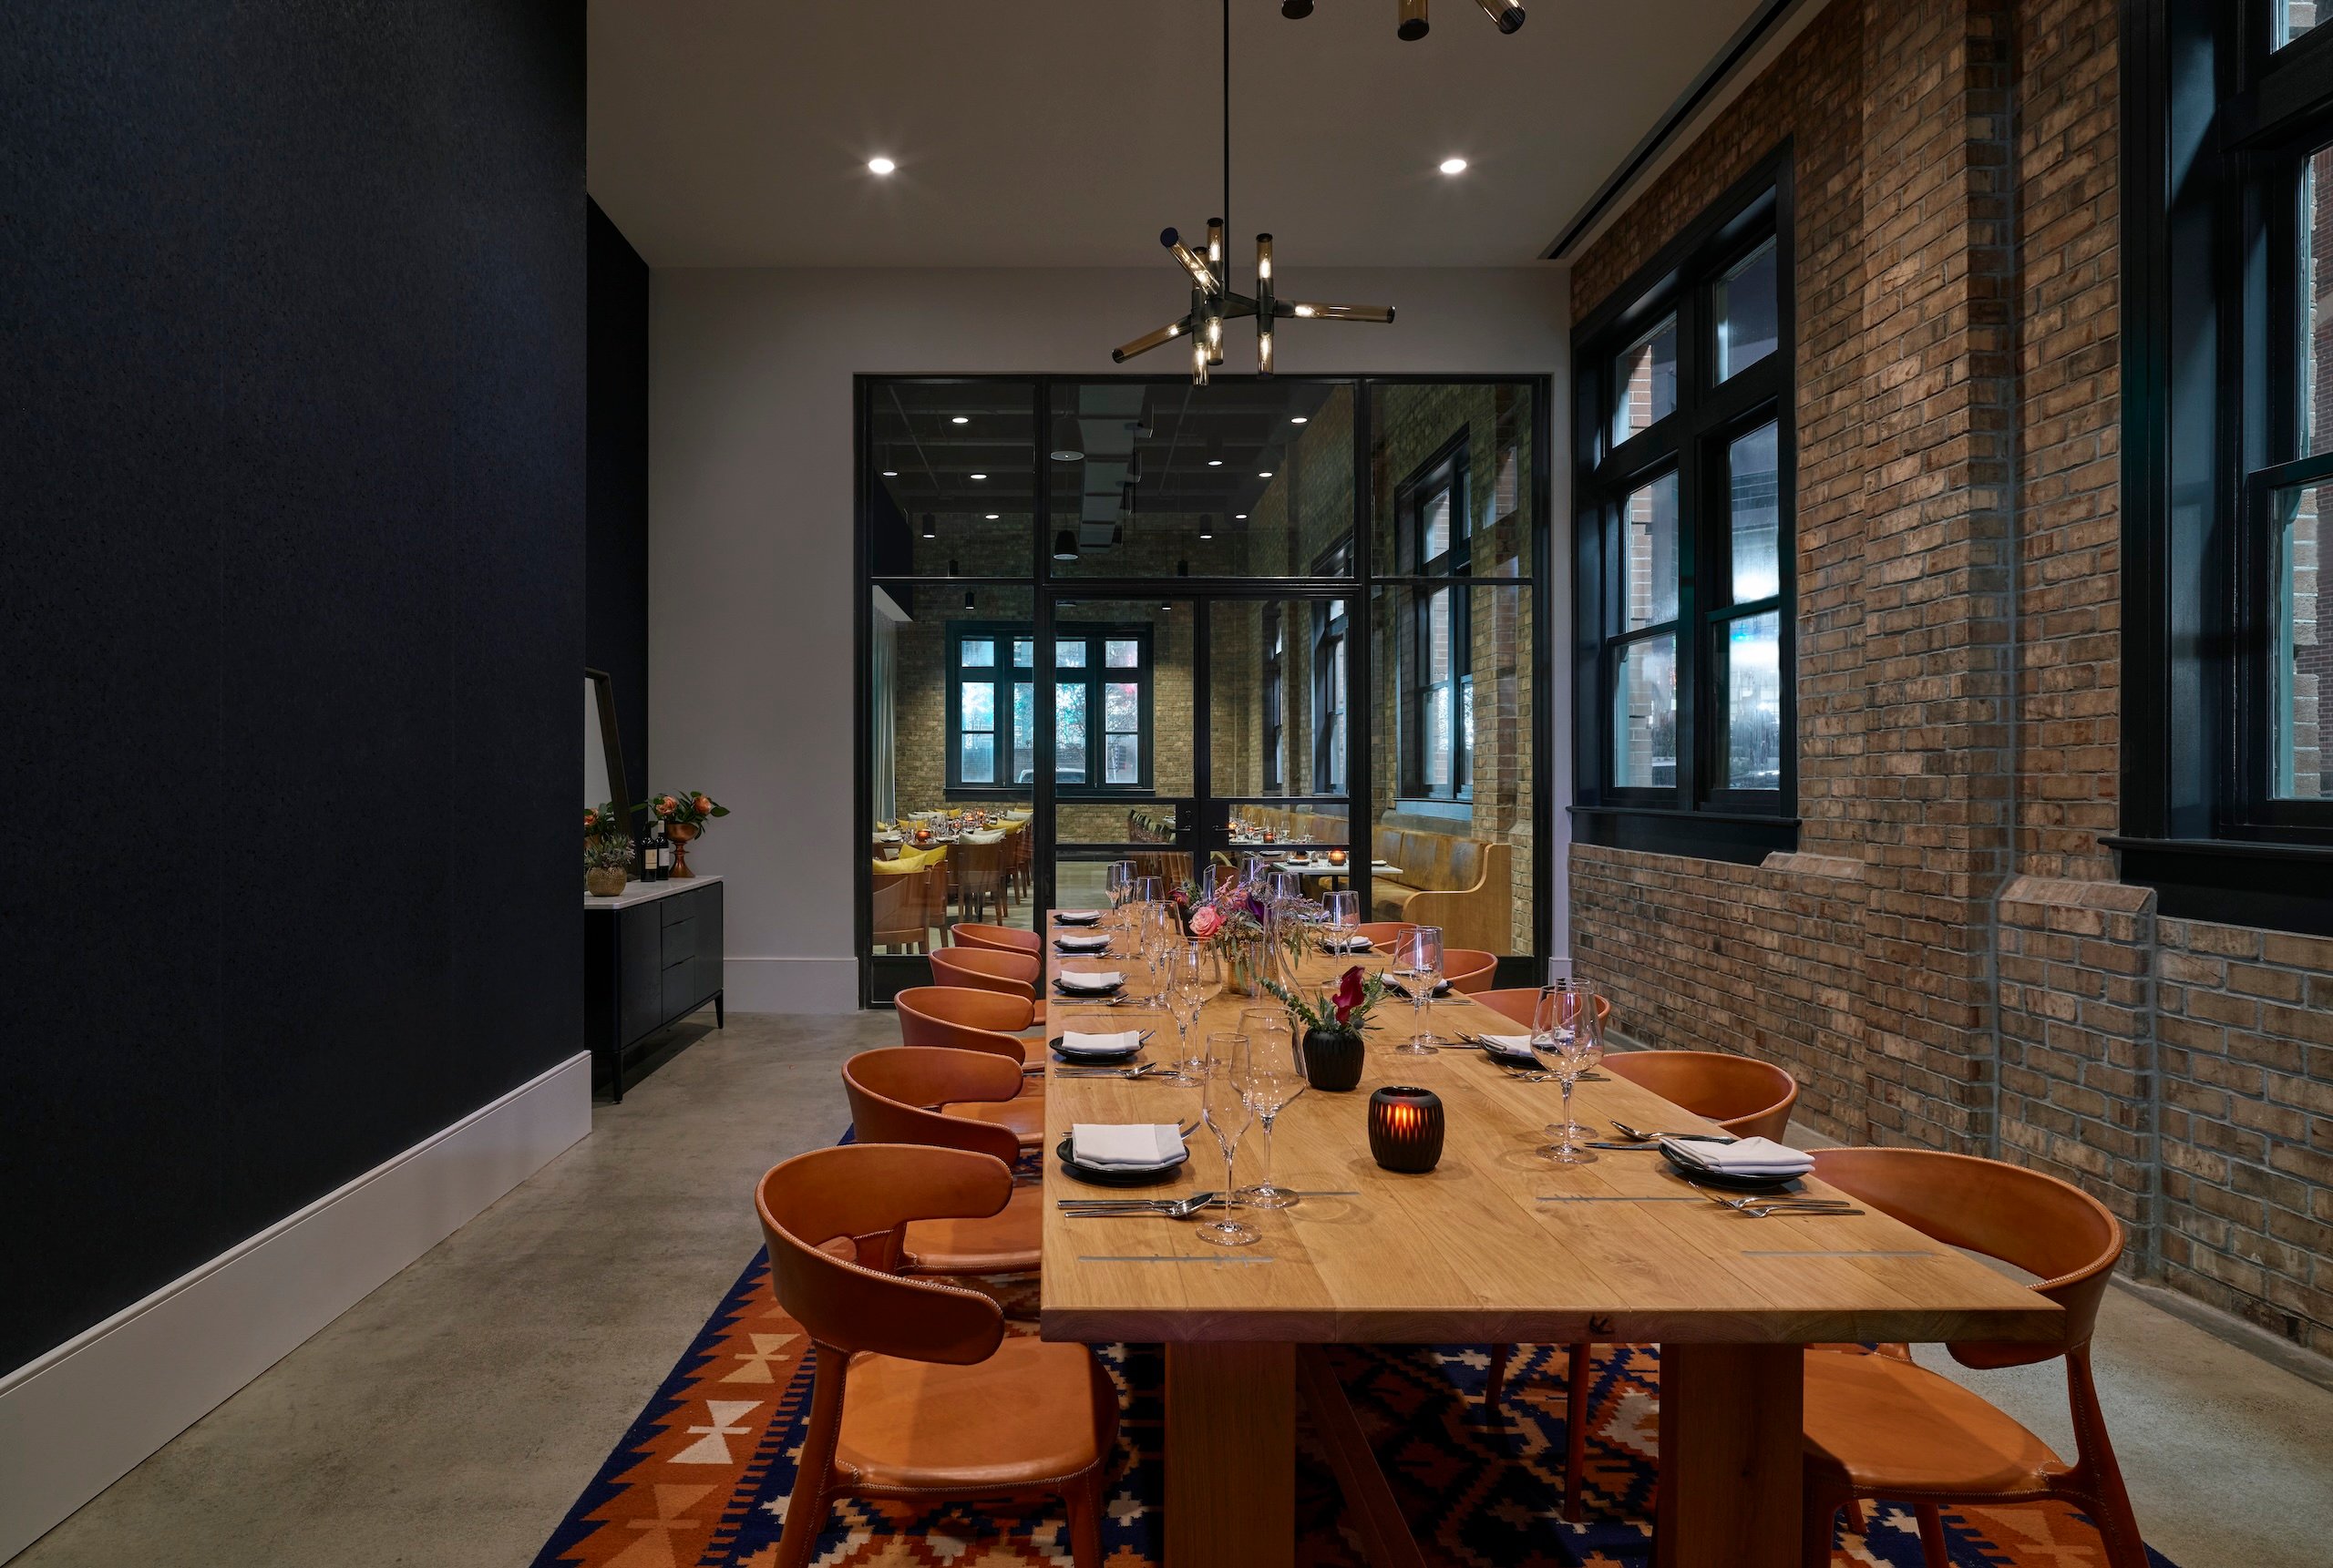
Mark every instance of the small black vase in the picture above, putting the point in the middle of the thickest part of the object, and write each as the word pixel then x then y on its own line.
pixel 1331 1058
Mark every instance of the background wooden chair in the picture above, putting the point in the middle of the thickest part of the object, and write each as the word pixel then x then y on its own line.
pixel 898 911
pixel 916 1392
pixel 1882 1425
pixel 979 870
pixel 921 1094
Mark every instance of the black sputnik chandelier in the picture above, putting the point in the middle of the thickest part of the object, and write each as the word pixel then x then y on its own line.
pixel 1213 300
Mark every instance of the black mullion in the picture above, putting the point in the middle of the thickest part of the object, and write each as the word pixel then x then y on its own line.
pixel 1361 696
pixel 862 808
pixel 1692 522
pixel 1202 824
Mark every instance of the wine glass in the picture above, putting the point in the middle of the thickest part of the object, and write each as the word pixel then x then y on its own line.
pixel 1566 1040
pixel 1419 963
pixel 1342 909
pixel 1115 876
pixel 1271 1082
pixel 1192 976
pixel 1223 1109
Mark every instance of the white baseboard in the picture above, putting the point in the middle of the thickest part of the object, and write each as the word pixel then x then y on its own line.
pixel 790 985
pixel 77 1420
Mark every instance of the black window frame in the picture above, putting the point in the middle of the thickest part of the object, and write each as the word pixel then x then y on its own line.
pixel 2218 126
pixel 1450 471
pixel 1275 695
pixel 1093 675
pixel 1698 814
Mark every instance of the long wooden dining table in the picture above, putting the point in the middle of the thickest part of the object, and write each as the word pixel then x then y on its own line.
pixel 1494 1245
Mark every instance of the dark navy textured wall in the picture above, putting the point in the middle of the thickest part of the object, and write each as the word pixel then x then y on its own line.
pixel 292 474
pixel 616 570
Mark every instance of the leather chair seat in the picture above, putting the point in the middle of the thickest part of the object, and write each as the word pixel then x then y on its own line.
pixel 1002 1243
pixel 1023 1417
pixel 1897 1430
pixel 1026 1116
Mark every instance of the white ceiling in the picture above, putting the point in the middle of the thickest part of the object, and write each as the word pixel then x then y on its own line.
pixel 730 133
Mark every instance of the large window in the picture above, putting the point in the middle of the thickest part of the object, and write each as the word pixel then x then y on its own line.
pixel 1683 536
pixel 2228 724
pixel 1101 708
pixel 1432 539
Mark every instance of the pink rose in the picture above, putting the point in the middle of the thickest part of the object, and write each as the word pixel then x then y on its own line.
pixel 1205 921
pixel 705 803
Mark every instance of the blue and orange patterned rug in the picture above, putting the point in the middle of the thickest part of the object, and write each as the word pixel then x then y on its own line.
pixel 702 1478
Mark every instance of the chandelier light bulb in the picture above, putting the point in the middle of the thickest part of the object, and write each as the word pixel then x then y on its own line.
pixel 931 526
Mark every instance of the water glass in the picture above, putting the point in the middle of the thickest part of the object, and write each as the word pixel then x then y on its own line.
pixel 1418 961
pixel 1223 1109
pixel 1272 1081
pixel 1566 1038
pixel 1342 910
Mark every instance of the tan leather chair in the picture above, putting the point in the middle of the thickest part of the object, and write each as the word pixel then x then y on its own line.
pixel 1383 934
pixel 919 1094
pixel 1468 970
pixel 967 1021
pixel 1000 1103
pixel 899 910
pixel 1880 1426
pixel 1522 1003
pixel 916 1392
pixel 998 938
pixel 1748 1098
pixel 984 970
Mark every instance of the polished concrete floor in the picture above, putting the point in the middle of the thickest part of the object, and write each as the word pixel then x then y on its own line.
pixel 452 1416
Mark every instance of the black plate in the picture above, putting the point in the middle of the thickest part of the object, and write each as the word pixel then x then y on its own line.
pixel 1701 1176
pixel 1118 1178
pixel 1093 920
pixel 1096 1058
pixel 1087 995
pixel 1081 952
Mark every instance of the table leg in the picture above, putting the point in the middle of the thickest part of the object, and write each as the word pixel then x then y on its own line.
pixel 1231 1456
pixel 1730 1444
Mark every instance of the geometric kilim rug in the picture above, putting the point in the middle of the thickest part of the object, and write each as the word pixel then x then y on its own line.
pixel 703 1476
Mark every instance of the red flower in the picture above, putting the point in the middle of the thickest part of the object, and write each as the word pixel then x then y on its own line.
pixel 1180 899
pixel 1205 921
pixel 1349 995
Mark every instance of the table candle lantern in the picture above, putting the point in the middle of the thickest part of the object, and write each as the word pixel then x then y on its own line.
pixel 1405 1127
pixel 1336 857
pixel 923 836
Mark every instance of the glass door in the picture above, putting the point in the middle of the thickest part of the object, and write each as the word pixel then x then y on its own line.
pixel 1123 691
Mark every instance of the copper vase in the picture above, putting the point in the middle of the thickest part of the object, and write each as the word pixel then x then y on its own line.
pixel 680 832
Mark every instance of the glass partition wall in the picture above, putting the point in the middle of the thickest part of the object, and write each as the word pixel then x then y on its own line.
pixel 1123 619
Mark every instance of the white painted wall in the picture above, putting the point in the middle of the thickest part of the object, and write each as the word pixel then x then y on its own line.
pixel 750 589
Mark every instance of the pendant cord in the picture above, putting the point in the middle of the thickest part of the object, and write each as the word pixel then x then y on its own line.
pixel 1227 145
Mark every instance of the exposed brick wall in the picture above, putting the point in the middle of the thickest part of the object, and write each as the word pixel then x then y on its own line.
pixel 1949 961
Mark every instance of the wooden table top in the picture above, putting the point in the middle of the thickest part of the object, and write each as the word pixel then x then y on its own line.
pixel 1496 1245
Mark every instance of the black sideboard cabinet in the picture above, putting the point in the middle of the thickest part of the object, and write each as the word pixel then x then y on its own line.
pixel 651 956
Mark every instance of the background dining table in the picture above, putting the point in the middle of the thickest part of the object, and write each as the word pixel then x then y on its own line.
pixel 1496 1245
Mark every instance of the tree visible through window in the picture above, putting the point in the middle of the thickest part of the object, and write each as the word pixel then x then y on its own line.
pixel 1435 651
pixel 1102 698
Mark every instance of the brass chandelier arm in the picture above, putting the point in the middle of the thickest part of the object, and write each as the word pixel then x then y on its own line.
pixel 1307 310
pixel 1149 341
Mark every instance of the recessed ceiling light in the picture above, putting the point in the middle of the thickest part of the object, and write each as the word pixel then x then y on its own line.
pixel 1215 462
pixel 1454 166
pixel 962 419
pixel 881 166
pixel 980 475
pixel 1238 517
pixel 992 517
pixel 1207 536
pixel 1265 474
pixel 890 473
pixel 1296 419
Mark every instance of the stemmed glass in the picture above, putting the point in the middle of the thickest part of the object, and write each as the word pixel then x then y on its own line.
pixel 1193 976
pixel 1117 878
pixel 1342 909
pixel 1566 1038
pixel 1271 1084
pixel 1224 1110
pixel 1419 963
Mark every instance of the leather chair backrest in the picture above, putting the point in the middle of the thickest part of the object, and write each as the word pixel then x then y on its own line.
pixel 997 938
pixel 893 1092
pixel 872 1190
pixel 954 1016
pixel 1383 934
pixel 981 969
pixel 1748 1098
pixel 1468 968
pixel 2036 1222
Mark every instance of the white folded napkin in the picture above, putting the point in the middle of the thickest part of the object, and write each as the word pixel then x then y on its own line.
pixel 1076 917
pixel 1508 1044
pixel 1743 1157
pixel 1093 943
pixel 1349 944
pixel 1075 1043
pixel 1098 980
pixel 1112 1146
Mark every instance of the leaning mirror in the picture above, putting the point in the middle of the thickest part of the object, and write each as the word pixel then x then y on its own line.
pixel 603 777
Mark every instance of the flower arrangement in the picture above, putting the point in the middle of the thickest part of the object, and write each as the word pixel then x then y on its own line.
pixel 605 853
pixel 691 809
pixel 600 822
pixel 1345 1008
pixel 1237 927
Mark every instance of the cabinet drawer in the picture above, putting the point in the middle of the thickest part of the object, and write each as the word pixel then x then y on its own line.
pixel 680 906
pixel 680 942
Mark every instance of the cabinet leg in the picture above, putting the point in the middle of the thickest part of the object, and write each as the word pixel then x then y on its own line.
pixel 720 1017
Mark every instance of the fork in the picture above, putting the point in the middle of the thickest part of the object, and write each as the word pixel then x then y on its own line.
pixel 1145 1070
pixel 1784 1201
pixel 1801 1211
pixel 1627 1132
pixel 1135 1208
